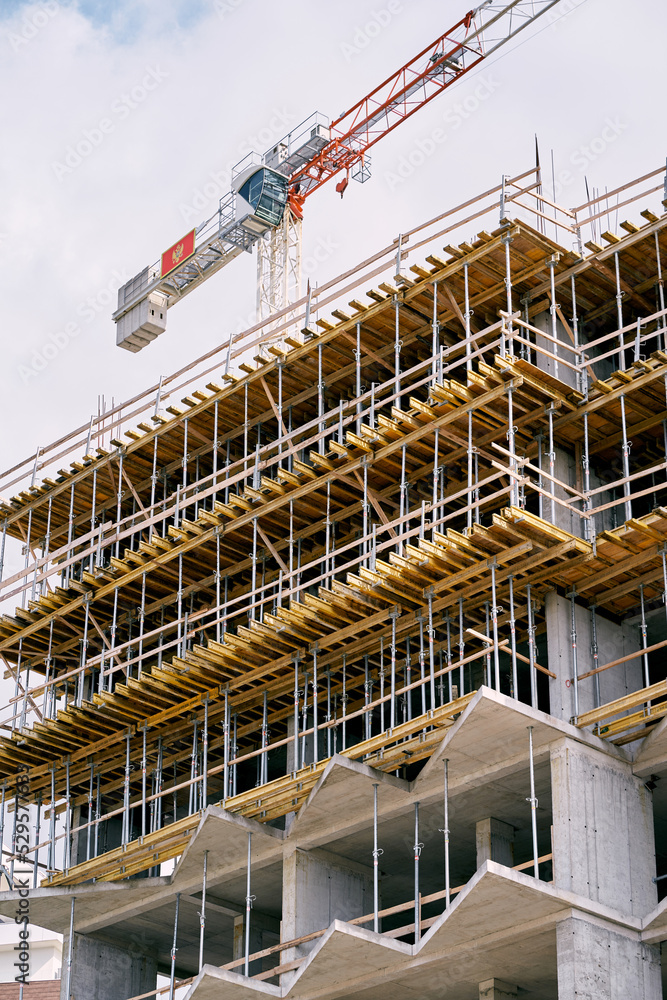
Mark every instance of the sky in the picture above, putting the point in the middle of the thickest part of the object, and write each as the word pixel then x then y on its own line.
pixel 120 122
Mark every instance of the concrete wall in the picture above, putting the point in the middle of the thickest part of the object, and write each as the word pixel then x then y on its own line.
pixel 101 971
pixel 613 642
pixel 603 835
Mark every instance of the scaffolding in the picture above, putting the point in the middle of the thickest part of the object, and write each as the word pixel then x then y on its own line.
pixel 333 548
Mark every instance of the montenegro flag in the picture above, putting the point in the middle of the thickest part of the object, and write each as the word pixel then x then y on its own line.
pixel 179 252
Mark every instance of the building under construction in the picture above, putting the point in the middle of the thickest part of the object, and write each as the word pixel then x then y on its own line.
pixel 339 656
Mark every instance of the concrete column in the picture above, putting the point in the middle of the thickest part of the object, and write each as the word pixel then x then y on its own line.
pixel 318 888
pixel 547 364
pixel 597 963
pixel 496 989
pixel 105 971
pixel 264 931
pixel 613 641
pixel 495 842
pixel 603 839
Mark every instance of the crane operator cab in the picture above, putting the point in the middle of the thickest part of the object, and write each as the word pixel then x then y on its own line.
pixel 261 197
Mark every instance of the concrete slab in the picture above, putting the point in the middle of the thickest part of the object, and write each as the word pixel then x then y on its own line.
pixel 492 733
pixel 489 737
pixel 225 836
pixel 102 904
pixel 345 954
pixel 494 897
pixel 343 793
pixel 474 940
pixel 654 927
pixel 214 984
pixel 651 756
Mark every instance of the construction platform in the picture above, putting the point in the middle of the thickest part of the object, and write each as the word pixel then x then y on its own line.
pixel 408 559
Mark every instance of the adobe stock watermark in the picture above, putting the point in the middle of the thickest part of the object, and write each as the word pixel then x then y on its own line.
pixel 34 19
pixel 22 872
pixel 558 14
pixel 121 109
pixel 322 251
pixel 225 7
pixel 57 342
pixel 453 119
pixel 218 183
pixel 365 33
pixel 587 153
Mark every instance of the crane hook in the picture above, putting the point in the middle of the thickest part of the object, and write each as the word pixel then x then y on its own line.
pixel 340 187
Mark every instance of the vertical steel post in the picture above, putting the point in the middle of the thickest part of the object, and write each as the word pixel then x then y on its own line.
pixel 531 649
pixel 52 820
pixel 515 682
pixel 248 906
pixel 357 361
pixel 627 445
pixel 343 701
pixel 68 845
pixel 594 655
pixel 381 677
pixel 417 850
pixel 204 775
pixel 644 635
pixel 392 706
pixel 376 855
pixel 2 547
pixel 202 915
pixel 70 951
pixel 172 975
pixel 143 781
pixel 435 329
pixel 461 650
pixel 35 861
pixel 296 712
pixel 661 295
pixel 431 650
pixel 397 354
pixel 533 805
pixel 98 813
pixel 466 315
pixel 316 755
pixel 573 636
pixel 126 792
pixel 265 739
pixel 553 311
pixel 495 610
pixel 619 313
pixel 225 730
pixel 552 463
pixel 446 834
pixel 90 811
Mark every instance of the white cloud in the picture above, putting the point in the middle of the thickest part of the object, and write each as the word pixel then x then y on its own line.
pixel 204 81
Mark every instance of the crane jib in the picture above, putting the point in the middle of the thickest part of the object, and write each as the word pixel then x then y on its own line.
pixel 264 186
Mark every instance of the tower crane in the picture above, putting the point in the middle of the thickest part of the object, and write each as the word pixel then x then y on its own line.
pixel 265 205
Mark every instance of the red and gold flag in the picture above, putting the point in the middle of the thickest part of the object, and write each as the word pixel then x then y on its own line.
pixel 180 251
